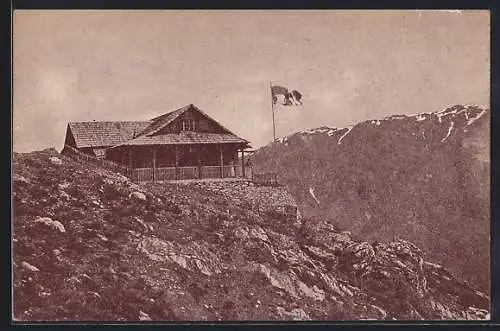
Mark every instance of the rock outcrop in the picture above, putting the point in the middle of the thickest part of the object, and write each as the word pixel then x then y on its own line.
pixel 192 252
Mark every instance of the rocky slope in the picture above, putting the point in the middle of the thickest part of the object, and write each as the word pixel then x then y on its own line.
pixel 90 245
pixel 424 178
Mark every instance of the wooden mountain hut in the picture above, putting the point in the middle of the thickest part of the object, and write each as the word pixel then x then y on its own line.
pixel 183 144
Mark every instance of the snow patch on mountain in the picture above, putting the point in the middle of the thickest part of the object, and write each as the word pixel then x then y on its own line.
pixel 309 131
pixel 468 114
pixel 396 117
pixel 283 139
pixel 449 131
pixel 345 134
pixel 472 120
pixel 311 191
pixel 467 110
pixel 327 130
pixel 331 132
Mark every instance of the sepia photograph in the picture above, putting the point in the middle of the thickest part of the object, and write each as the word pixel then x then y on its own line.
pixel 250 165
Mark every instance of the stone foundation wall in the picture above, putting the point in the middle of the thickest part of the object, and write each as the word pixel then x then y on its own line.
pixel 262 199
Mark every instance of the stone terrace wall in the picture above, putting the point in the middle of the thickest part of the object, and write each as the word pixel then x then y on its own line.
pixel 261 198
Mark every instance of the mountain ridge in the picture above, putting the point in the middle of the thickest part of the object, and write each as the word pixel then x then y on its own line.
pixel 329 130
pixel 414 176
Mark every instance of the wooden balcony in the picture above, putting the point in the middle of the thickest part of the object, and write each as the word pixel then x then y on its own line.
pixel 177 173
pixel 183 173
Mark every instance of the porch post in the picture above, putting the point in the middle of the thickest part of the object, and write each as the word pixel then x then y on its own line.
pixel 176 162
pixel 221 162
pixel 130 157
pixel 200 148
pixel 129 149
pixel 154 163
pixel 242 163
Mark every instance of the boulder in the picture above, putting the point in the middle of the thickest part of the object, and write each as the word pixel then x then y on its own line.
pixel 241 233
pixel 65 195
pixel 103 238
pixel 259 234
pixel 277 279
pixel 108 181
pixel 473 313
pixel 138 195
pixel 193 258
pixel 55 160
pixel 63 186
pixel 29 267
pixel 314 293
pixel 143 316
pixel 20 179
pixel 141 222
pixel 297 314
pixel 51 223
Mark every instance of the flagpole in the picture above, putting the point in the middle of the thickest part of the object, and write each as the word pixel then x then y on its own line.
pixel 272 109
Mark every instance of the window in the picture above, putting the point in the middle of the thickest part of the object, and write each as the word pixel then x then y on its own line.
pixel 188 125
pixel 100 153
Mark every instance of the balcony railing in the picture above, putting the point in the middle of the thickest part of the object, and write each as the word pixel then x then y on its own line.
pixel 179 173
pixel 83 157
pixel 173 173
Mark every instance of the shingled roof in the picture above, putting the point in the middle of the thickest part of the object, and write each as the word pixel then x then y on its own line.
pixel 114 134
pixel 105 134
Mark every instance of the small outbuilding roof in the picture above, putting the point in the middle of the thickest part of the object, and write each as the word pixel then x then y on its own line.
pixel 104 134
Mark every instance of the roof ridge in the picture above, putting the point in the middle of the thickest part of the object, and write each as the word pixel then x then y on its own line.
pixel 143 121
pixel 174 114
pixel 148 132
pixel 170 112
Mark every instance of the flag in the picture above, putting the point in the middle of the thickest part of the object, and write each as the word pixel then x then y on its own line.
pixel 291 98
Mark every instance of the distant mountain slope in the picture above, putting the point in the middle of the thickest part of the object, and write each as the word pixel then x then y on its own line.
pixel 90 245
pixel 423 177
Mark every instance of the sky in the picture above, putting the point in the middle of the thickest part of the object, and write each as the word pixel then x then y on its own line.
pixel 350 66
